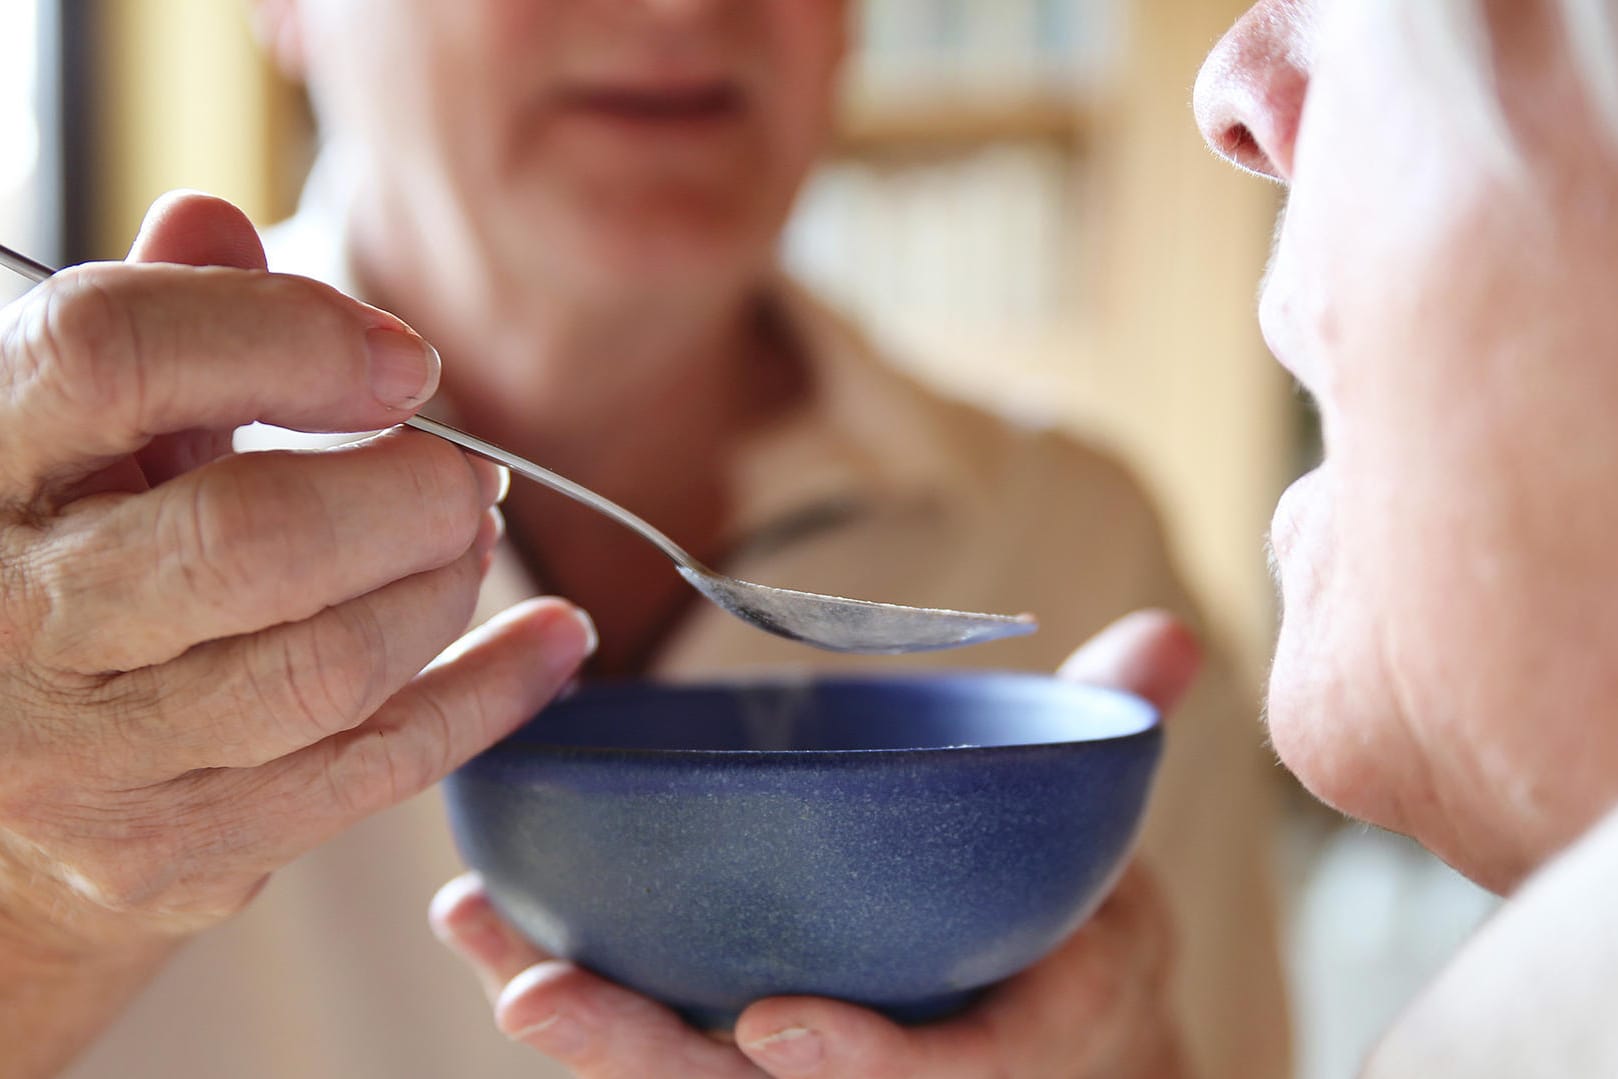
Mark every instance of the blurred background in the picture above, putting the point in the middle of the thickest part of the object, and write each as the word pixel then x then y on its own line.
pixel 1018 206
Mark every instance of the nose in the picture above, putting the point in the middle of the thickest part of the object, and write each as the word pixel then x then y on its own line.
pixel 1250 92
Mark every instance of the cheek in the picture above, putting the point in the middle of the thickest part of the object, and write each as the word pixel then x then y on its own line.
pixel 804 45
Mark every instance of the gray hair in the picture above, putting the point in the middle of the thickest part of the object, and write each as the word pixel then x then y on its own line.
pixel 1453 36
pixel 1592 29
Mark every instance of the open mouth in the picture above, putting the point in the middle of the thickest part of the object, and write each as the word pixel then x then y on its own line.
pixel 703 103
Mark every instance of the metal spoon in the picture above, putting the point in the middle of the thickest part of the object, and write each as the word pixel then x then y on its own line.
pixel 829 622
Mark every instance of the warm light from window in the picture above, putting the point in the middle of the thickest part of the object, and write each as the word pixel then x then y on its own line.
pixel 19 128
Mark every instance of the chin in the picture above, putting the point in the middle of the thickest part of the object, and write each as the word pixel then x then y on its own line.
pixel 1321 729
pixel 679 254
pixel 1334 727
pixel 674 257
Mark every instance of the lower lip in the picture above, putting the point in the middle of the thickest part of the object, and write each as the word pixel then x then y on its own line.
pixel 1289 509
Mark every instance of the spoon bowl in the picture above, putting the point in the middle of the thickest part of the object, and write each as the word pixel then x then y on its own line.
pixel 832 623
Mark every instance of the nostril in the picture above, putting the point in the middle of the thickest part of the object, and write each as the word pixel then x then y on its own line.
pixel 1238 144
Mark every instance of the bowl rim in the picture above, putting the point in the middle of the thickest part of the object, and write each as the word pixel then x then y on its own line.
pixel 516 745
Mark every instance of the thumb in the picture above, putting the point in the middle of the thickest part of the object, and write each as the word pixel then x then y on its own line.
pixel 1151 654
pixel 191 229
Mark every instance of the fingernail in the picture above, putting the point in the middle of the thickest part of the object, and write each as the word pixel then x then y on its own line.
pixel 491 530
pixel 404 369
pixel 564 648
pixel 794 1049
pixel 481 943
pixel 592 639
pixel 493 480
pixel 556 1035
pixel 461 917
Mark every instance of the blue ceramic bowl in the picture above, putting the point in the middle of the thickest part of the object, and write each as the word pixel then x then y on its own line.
pixel 896 842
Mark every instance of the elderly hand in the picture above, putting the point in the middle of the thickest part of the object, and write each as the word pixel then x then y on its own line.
pixel 1096 1007
pixel 209 661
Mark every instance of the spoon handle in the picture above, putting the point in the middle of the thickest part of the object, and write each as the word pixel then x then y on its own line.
pixel 559 484
pixel 21 264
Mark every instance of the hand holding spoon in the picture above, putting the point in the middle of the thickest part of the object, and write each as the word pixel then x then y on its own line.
pixel 829 622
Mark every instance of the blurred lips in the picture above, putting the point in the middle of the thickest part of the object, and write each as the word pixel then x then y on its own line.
pixel 667 105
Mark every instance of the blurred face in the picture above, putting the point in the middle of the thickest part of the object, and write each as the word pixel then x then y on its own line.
pixel 607 147
pixel 1448 663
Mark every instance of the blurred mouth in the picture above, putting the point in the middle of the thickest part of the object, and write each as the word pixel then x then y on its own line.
pixel 692 106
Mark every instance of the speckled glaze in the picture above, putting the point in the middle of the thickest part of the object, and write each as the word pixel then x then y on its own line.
pixel 897 842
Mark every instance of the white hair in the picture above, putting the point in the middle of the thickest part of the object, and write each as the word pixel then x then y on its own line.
pixel 1454 36
pixel 1592 29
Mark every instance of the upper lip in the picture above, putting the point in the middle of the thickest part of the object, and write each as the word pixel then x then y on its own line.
pixel 1278 336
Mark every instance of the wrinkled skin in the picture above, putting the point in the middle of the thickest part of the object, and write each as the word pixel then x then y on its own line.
pixel 209 662
pixel 1448 571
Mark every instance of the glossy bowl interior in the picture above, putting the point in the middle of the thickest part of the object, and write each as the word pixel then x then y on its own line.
pixel 898 842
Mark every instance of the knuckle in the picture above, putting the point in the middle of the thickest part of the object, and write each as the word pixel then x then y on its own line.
pixel 131 710
pixel 456 592
pixel 85 347
pixel 72 571
pixel 445 491
pixel 436 755
pixel 26 592
pixel 57 729
pixel 324 674
pixel 310 297
pixel 321 313
pixel 222 538
pixel 377 767
pixel 123 884
pixel 361 776
pixel 349 656
pixel 121 858
pixel 175 851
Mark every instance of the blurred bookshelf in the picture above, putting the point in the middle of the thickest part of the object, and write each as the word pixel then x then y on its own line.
pixel 954 122
pixel 948 219
pixel 975 47
pixel 1017 208
pixel 947 75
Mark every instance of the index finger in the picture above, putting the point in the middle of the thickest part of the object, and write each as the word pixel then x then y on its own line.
pixel 100 359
